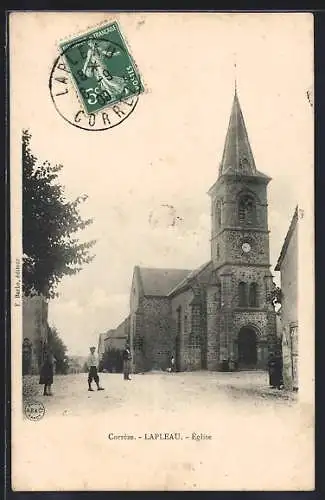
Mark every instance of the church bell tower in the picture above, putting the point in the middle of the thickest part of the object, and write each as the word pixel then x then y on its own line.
pixel 243 330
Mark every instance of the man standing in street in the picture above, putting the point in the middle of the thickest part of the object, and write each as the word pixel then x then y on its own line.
pixel 127 362
pixel 92 363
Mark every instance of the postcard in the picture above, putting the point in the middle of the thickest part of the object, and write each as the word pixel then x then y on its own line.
pixel 162 246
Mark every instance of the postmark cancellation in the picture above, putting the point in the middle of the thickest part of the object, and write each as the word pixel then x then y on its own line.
pixel 94 83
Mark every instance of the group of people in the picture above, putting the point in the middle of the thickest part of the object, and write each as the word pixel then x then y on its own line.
pixel 92 364
pixel 47 370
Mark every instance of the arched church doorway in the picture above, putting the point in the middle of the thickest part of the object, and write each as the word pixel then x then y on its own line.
pixel 247 348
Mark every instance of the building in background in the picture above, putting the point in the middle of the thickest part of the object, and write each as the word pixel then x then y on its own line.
pixel 111 345
pixel 288 266
pixel 118 337
pixel 76 364
pixel 35 333
pixel 101 347
pixel 151 325
pixel 219 316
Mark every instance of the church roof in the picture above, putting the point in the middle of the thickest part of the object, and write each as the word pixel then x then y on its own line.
pixel 108 334
pixel 159 282
pixel 287 239
pixel 187 280
pixel 101 338
pixel 237 156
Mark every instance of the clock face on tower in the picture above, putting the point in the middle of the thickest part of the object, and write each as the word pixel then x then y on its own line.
pixel 246 247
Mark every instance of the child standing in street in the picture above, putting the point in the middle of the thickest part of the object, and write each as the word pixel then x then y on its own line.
pixel 92 363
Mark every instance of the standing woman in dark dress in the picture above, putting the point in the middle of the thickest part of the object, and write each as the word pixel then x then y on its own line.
pixel 272 370
pixel 46 375
pixel 278 370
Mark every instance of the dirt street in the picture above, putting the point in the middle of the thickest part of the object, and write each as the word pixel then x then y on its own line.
pixel 160 431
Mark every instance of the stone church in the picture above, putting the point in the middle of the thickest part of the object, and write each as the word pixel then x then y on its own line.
pixel 219 316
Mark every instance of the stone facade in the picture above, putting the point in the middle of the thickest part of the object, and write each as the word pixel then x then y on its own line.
pixel 288 266
pixel 219 316
pixel 35 333
pixel 245 320
pixel 186 351
pixel 157 333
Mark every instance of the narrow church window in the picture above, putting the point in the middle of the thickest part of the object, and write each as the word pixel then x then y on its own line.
pixel 196 325
pixel 219 295
pixel 185 323
pixel 253 295
pixel 179 320
pixel 218 251
pixel 247 210
pixel 218 213
pixel 138 344
pixel 242 292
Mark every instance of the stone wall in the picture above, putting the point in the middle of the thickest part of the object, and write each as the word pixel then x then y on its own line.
pixel 192 358
pixel 138 343
pixel 247 274
pixel 232 247
pixel 192 333
pixel 258 319
pixel 264 325
pixel 228 192
pixel 227 233
pixel 158 336
pixel 181 308
pixel 228 318
pixel 213 341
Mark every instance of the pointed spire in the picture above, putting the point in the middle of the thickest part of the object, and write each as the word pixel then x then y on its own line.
pixel 237 156
pixel 235 71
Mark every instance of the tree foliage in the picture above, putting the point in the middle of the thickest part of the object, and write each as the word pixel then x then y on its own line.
pixel 50 226
pixel 58 349
pixel 276 295
pixel 112 360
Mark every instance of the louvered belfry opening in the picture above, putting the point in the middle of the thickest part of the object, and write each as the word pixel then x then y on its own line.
pixel 247 210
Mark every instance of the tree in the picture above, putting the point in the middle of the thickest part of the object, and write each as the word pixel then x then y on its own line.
pixel 112 360
pixel 50 224
pixel 276 295
pixel 58 349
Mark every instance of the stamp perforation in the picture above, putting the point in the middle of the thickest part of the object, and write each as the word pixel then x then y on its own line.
pixel 101 87
pixel 98 81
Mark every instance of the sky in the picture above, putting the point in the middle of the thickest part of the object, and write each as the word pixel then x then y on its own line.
pixel 167 153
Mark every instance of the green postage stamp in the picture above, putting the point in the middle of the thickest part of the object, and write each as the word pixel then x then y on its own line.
pixel 102 68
